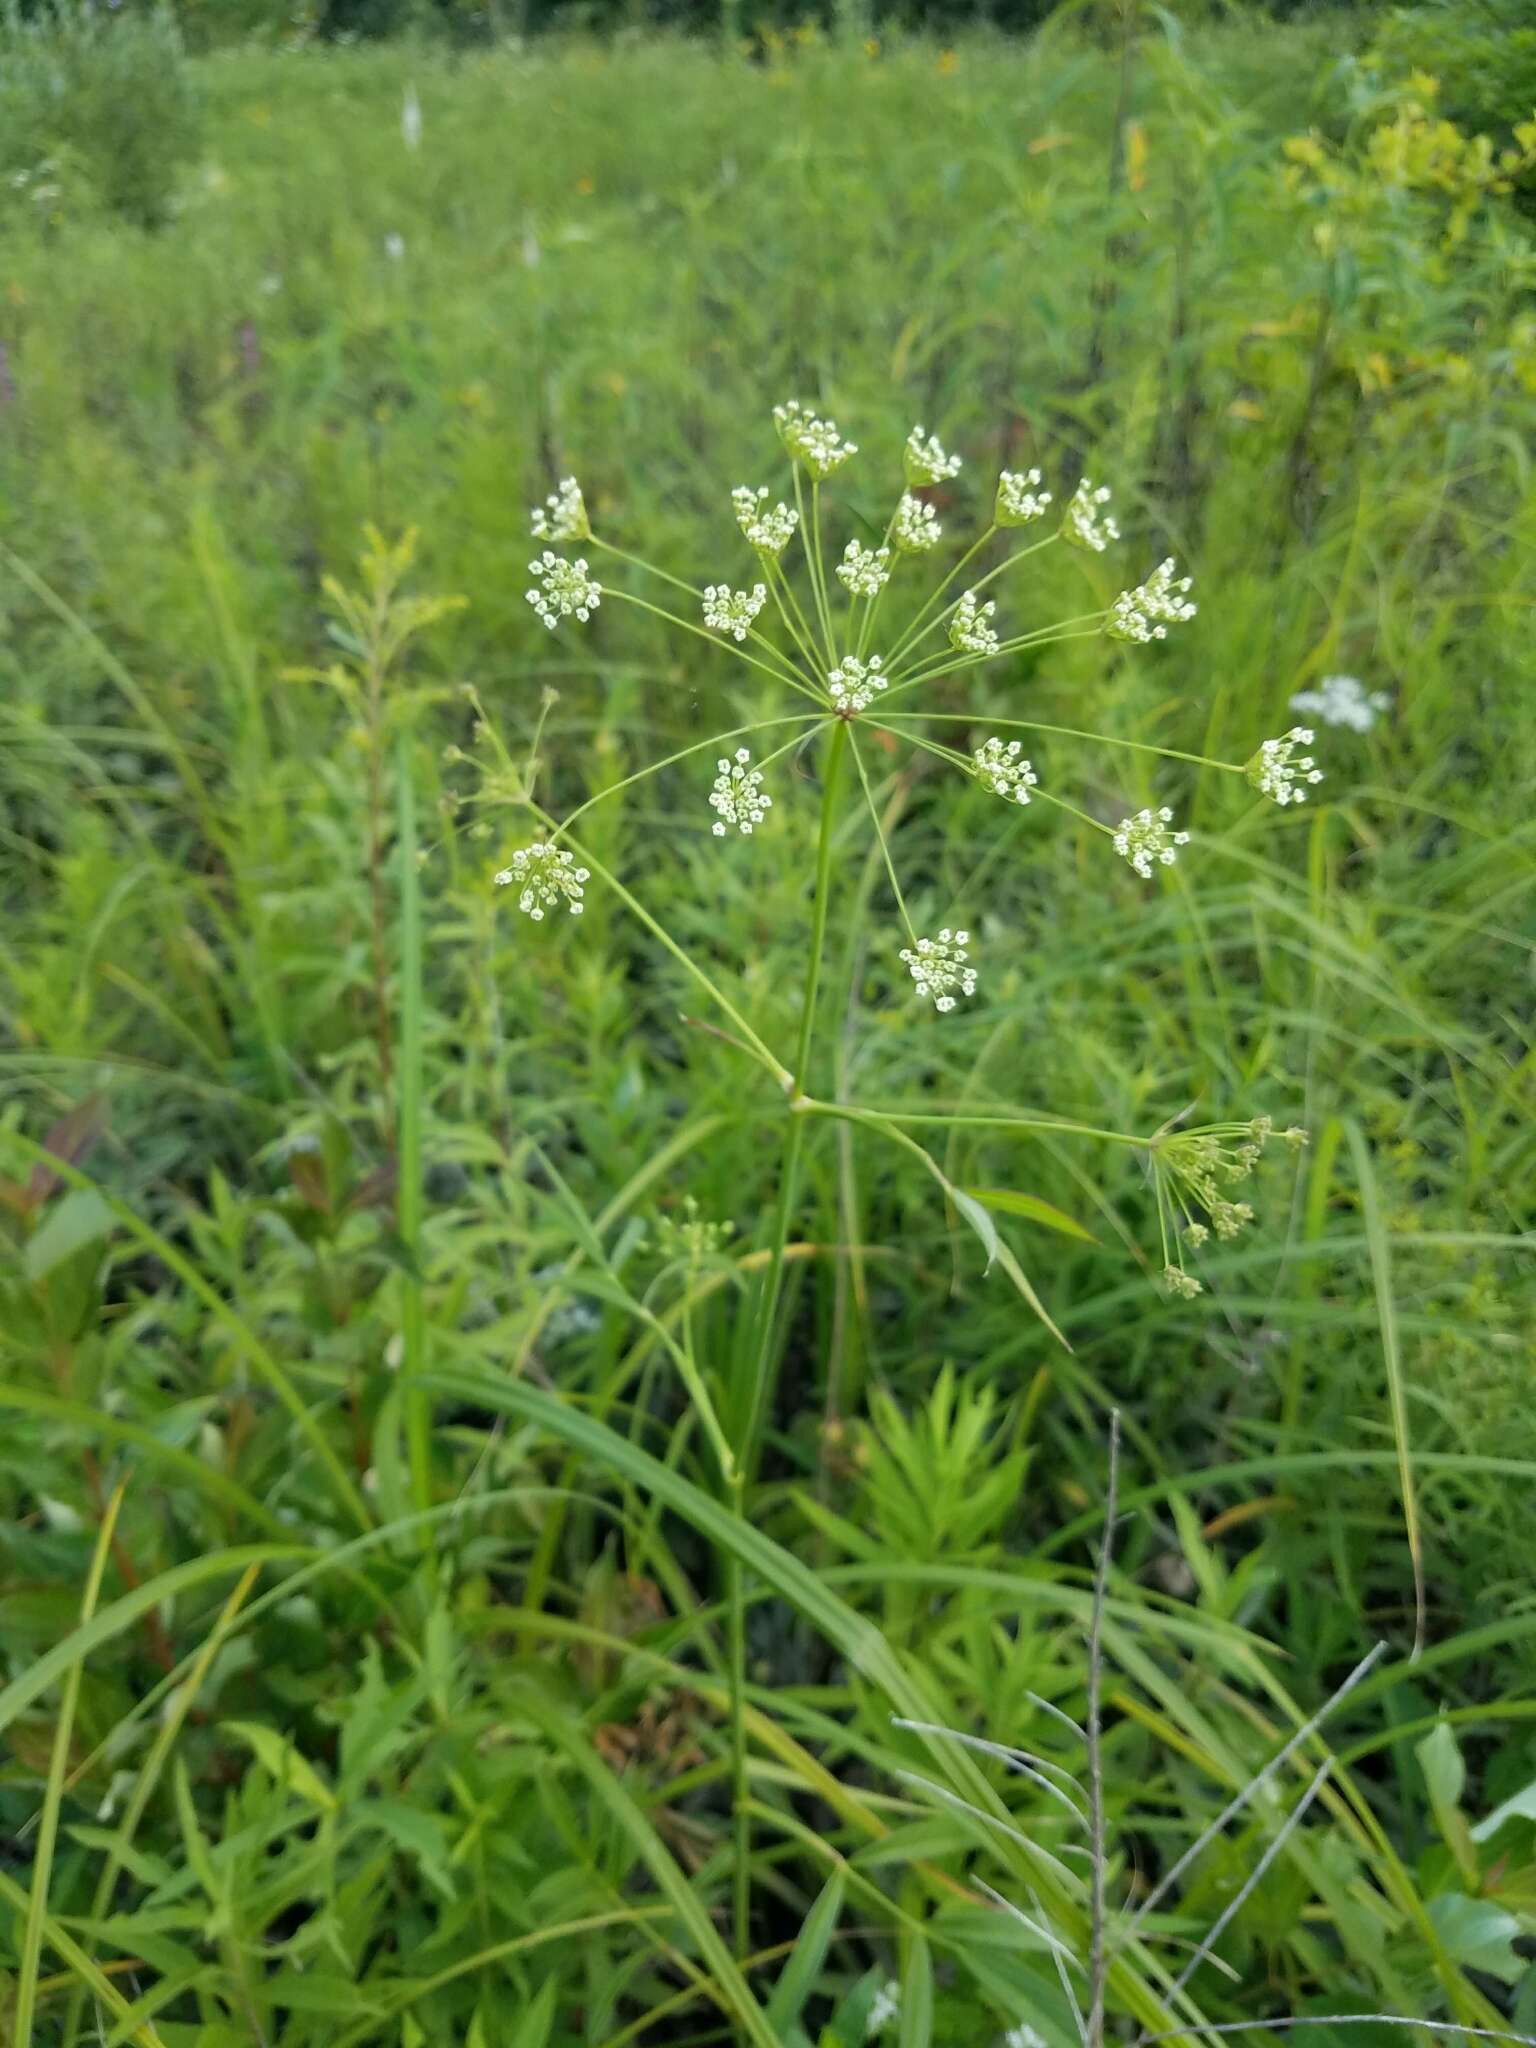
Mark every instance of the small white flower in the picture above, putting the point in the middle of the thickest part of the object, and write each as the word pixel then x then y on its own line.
pixel 546 876
pixel 1024 2036
pixel 1343 700
pixel 938 967
pixel 1178 1282
pixel 1004 770
pixel 732 611
pixel 969 626
pixel 1020 498
pixel 410 119
pixel 394 247
pixel 864 571
pixel 886 2008
pixel 768 531
pixel 567 589
pixel 1146 612
pixel 1146 838
pixel 925 461
pixel 1086 525
pixel 917 528
pixel 1273 773
pixel 810 440
pixel 853 685
pixel 738 795
pixel 563 514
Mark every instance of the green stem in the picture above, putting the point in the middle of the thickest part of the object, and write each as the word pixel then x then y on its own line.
pixel 874 813
pixel 736 1678
pixel 797 625
pixel 718 739
pixel 723 642
pixel 953 664
pixel 912 633
pixel 409 1203
pixel 1069 732
pixel 750 1040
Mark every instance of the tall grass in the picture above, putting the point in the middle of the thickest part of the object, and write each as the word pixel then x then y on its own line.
pixel 376 1302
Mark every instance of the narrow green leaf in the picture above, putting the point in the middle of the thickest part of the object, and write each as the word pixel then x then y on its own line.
pixel 81 1218
pixel 803 1969
pixel 917 1996
pixel 1034 1209
pixel 280 1760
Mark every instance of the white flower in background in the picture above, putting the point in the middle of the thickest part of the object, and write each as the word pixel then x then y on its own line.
pixel 1343 700
pixel 1019 498
pixel 864 571
pixel 732 611
pixel 1147 612
pixel 1274 773
pixel 1087 525
pixel 563 514
pixel 768 531
pixel 938 967
pixel 886 2008
pixel 925 461
pixel 970 628
pixel 810 440
pixel 1146 838
pixel 567 588
pixel 1024 2036
pixel 916 527
pixel 1004 770
pixel 410 119
pixel 546 876
pixel 394 247
pixel 853 685
pixel 738 795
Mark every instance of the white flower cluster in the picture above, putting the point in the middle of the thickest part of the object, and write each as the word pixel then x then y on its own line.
pixel 864 572
pixel 916 528
pixel 1005 770
pixel 1087 525
pixel 770 532
pixel 548 876
pixel 1146 838
pixel 970 628
pixel 925 461
pixel 1020 498
pixel 885 2009
pixel 938 967
pixel 853 685
pixel 1024 2036
pixel 732 611
pixel 567 588
pixel 1147 612
pixel 738 795
pixel 812 441
pixel 1183 1284
pixel 1343 700
pixel 563 514
pixel 1273 773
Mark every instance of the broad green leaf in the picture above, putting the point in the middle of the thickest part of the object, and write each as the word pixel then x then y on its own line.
pixel 81 1218
pixel 1519 1806
pixel 1479 1935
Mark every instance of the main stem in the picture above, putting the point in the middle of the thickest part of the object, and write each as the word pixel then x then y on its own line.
pixel 767 1318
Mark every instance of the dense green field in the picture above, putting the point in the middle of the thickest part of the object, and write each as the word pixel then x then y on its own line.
pixel 482 1472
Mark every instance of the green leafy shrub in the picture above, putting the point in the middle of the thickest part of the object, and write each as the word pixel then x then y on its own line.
pixel 95 108
pixel 1482 51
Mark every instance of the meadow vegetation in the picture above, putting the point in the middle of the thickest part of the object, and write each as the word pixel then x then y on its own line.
pixel 496 1529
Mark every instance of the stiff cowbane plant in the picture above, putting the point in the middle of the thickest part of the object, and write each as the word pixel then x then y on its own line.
pixel 858 644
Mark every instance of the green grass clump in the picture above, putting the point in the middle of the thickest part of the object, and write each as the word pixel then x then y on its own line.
pixel 383 1273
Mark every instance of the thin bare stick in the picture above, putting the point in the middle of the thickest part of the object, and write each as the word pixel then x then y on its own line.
pixel 988 1820
pixel 1046 1707
pixel 1292 1821
pixel 1098 1953
pixel 1234 1806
